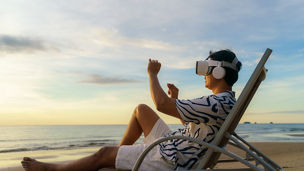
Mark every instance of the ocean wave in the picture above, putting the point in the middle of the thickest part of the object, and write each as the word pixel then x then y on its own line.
pixel 63 146
pixel 296 129
pixel 14 140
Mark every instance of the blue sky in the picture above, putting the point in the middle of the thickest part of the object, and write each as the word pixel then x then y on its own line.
pixel 84 62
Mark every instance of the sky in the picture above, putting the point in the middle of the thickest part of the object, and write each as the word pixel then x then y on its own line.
pixel 84 62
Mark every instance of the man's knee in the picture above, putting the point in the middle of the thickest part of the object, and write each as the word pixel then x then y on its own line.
pixel 106 156
pixel 141 108
pixel 144 110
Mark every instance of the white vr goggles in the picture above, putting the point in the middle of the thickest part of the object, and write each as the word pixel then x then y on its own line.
pixel 207 67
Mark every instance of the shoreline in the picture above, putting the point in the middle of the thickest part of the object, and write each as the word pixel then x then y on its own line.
pixel 289 155
pixel 296 135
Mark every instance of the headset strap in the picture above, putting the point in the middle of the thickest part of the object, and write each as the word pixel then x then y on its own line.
pixel 224 64
pixel 229 65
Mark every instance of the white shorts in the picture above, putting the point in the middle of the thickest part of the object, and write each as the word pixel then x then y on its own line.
pixel 128 154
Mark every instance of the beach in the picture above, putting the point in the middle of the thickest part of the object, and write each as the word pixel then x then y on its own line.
pixel 289 155
pixel 283 143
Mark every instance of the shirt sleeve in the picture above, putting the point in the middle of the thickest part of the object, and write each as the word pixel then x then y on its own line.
pixel 200 110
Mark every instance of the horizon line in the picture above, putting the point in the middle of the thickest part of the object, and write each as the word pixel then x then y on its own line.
pixel 250 123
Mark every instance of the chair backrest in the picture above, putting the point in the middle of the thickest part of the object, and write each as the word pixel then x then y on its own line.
pixel 210 158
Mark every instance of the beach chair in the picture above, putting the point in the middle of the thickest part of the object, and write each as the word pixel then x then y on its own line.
pixel 254 159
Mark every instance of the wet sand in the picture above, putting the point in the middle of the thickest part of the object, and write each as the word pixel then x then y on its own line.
pixel 289 155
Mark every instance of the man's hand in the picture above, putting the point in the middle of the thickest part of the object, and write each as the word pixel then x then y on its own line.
pixel 153 67
pixel 173 91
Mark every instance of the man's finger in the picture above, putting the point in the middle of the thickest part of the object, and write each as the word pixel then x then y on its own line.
pixel 170 86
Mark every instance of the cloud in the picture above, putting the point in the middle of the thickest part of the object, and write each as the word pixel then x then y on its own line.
pixel 288 82
pixel 16 44
pixel 289 112
pixel 275 112
pixel 112 38
pixel 101 80
pixel 301 51
pixel 261 37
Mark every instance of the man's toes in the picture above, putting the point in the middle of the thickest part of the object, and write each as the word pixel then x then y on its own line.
pixel 28 159
pixel 25 164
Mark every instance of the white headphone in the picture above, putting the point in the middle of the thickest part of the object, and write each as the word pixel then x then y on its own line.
pixel 219 72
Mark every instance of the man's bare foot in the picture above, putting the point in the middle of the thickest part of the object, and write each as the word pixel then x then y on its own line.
pixel 30 164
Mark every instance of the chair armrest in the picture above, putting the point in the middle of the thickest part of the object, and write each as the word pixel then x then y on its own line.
pixel 214 147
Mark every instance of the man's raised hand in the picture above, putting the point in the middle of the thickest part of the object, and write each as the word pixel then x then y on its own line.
pixel 153 67
pixel 173 90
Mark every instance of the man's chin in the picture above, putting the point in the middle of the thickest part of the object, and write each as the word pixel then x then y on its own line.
pixel 207 86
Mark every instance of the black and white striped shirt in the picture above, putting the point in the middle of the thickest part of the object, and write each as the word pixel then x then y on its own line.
pixel 204 117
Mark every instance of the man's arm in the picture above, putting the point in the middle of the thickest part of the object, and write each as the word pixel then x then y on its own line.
pixel 162 102
pixel 173 92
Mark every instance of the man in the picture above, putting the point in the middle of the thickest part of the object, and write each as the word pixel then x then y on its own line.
pixel 202 118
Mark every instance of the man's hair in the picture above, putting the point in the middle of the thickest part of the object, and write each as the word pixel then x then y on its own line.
pixel 227 55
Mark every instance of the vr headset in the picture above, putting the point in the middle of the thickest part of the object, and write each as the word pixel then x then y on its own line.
pixel 207 67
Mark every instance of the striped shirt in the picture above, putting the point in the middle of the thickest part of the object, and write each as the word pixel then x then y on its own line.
pixel 204 117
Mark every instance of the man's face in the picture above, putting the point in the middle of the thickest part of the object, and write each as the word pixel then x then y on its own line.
pixel 209 81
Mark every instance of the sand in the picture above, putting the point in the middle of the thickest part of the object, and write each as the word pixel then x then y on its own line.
pixel 288 155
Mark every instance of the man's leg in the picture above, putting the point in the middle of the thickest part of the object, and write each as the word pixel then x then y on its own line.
pixel 105 157
pixel 142 121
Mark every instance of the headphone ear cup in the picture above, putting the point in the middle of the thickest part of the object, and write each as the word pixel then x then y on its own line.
pixel 219 72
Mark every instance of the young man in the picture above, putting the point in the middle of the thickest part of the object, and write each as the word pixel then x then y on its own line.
pixel 202 118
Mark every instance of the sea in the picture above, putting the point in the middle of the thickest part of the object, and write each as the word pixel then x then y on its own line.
pixel 32 138
pixel 17 140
